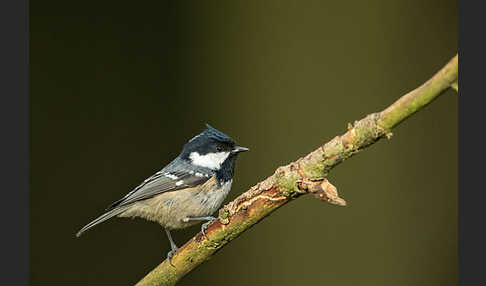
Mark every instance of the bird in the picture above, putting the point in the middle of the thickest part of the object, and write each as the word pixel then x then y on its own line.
pixel 185 192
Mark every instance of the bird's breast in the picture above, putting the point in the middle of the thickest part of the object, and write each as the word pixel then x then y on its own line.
pixel 213 198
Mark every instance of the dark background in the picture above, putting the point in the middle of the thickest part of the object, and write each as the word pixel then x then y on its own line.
pixel 117 89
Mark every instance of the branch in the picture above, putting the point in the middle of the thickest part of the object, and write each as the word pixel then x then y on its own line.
pixel 455 85
pixel 306 175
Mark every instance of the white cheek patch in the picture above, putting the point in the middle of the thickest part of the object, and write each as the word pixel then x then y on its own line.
pixel 211 160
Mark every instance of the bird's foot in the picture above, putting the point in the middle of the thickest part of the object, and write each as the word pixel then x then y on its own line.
pixel 170 254
pixel 205 225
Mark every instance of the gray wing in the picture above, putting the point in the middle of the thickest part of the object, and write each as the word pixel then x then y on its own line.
pixel 175 176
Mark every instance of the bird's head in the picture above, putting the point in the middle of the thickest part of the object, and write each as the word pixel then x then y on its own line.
pixel 211 149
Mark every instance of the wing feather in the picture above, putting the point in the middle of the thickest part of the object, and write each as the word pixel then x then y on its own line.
pixel 175 176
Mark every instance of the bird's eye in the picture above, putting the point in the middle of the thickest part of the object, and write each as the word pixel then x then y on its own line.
pixel 219 148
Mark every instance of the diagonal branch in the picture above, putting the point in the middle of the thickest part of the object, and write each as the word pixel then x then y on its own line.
pixel 306 175
pixel 455 85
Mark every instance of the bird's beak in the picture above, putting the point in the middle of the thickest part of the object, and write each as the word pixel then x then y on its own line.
pixel 238 149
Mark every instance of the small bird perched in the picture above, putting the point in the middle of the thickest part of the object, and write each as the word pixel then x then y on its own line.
pixel 186 191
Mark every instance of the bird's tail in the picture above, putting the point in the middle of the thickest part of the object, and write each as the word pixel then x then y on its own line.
pixel 101 219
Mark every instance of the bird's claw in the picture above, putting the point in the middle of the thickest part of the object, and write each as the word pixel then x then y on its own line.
pixel 170 254
pixel 205 225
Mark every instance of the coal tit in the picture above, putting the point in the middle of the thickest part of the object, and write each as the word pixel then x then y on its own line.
pixel 186 191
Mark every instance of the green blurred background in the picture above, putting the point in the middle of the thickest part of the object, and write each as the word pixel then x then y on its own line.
pixel 118 87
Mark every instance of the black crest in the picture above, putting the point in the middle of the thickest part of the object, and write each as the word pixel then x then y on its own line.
pixel 207 141
pixel 217 135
